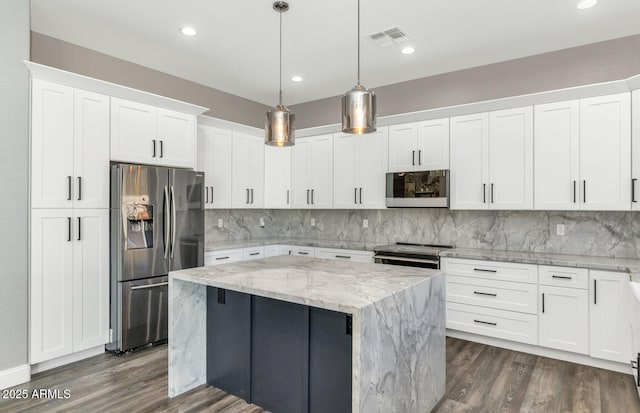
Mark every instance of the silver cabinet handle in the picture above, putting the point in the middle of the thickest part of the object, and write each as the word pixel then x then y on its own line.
pixel 206 194
pixel 360 195
pixel 574 192
pixel 254 253
pixel 584 191
pixel 69 229
pixel 143 287
pixel 562 277
pixel 221 258
pixel 247 189
pixel 347 257
pixel 542 303
pixel 595 291
pixel 287 197
pixel 484 193
pixel 173 220
pixel 79 188
pixel 69 189
pixel 413 158
pixel 165 223
pixel 161 149
pixel 482 293
pixel 355 195
pixel 419 156
pixel 485 322
pixel 154 148
pixel 492 193
pixel 212 195
pixel 303 253
pixel 483 270
pixel 79 229
pixel 252 195
pixel 312 201
pixel 308 197
pixel 633 190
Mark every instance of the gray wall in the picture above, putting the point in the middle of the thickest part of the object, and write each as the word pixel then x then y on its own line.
pixel 66 56
pixel 594 63
pixel 611 234
pixel 14 163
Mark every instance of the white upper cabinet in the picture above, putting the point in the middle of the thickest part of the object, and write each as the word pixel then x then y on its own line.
pixel 420 146
pixel 635 151
pixel 582 154
pixel 215 148
pixel 492 160
pixel 145 134
pixel 69 147
pixel 248 168
pixel 277 177
pixel 359 170
pixel 511 158
pixel 312 172
pixel 557 155
pixel 469 161
pixel 605 152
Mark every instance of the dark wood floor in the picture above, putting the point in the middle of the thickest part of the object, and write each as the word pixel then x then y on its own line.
pixel 479 379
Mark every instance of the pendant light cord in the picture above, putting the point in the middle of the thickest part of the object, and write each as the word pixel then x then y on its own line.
pixel 358 42
pixel 280 98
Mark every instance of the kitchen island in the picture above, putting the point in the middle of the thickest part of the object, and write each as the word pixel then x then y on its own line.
pixel 396 323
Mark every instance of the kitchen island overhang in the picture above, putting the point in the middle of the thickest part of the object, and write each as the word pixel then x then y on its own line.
pixel 398 316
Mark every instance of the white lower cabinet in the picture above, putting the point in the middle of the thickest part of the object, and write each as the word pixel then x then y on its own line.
pixel 564 319
pixel 303 251
pixel 223 256
pixel 252 253
pixel 277 250
pixel 609 335
pixel 69 305
pixel 344 254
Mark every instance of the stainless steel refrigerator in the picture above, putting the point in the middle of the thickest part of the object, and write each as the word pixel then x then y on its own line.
pixel 157 226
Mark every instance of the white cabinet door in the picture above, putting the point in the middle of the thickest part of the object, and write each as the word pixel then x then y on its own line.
pixel 556 155
pixel 322 172
pixel 346 169
pixel 51 145
pixel 215 147
pixel 301 174
pixel 469 161
pixel 564 319
pixel 91 149
pixel 403 147
pixel 372 169
pixel 241 193
pixel 90 278
pixel 635 150
pixel 605 152
pixel 176 139
pixel 433 144
pixel 133 132
pixel 255 175
pixel 277 177
pixel 511 158
pixel 608 310
pixel 51 288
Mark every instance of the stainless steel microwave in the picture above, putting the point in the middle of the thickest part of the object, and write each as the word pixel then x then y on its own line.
pixel 418 189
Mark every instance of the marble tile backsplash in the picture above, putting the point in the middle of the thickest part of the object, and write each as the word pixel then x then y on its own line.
pixel 611 234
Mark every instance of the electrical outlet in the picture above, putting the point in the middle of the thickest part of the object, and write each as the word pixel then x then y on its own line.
pixel 313 222
pixel 560 229
pixel 220 223
pixel 365 223
pixel 262 222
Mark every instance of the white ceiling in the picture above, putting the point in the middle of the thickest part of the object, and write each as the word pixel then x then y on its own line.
pixel 236 49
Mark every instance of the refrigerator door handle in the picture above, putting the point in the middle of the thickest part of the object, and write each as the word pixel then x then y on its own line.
pixel 173 219
pixel 165 223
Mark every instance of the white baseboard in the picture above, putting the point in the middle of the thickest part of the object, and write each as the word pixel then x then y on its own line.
pixel 70 358
pixel 542 351
pixel 15 376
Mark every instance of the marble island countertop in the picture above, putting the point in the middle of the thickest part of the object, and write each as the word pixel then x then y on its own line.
pixel 343 286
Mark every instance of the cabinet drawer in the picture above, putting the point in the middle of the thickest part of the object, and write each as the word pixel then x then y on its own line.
pixel 222 257
pixel 502 295
pixel 564 276
pixel 252 253
pixel 344 254
pixel 275 250
pixel 506 325
pixel 494 270
pixel 303 251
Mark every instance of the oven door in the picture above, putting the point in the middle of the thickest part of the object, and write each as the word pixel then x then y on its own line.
pixel 144 311
pixel 430 262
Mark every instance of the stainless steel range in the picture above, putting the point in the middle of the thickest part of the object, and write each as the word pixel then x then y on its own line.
pixel 411 255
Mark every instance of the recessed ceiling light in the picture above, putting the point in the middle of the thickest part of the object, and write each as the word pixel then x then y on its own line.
pixel 188 31
pixel 408 50
pixel 297 79
pixel 586 4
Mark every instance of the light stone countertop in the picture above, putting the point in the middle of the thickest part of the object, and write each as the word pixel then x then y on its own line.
pixel 302 242
pixel 628 265
pixel 331 284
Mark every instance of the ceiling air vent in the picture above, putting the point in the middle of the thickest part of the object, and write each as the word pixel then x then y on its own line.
pixel 389 37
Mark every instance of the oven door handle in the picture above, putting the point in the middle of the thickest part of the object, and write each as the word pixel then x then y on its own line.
pixel 405 259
